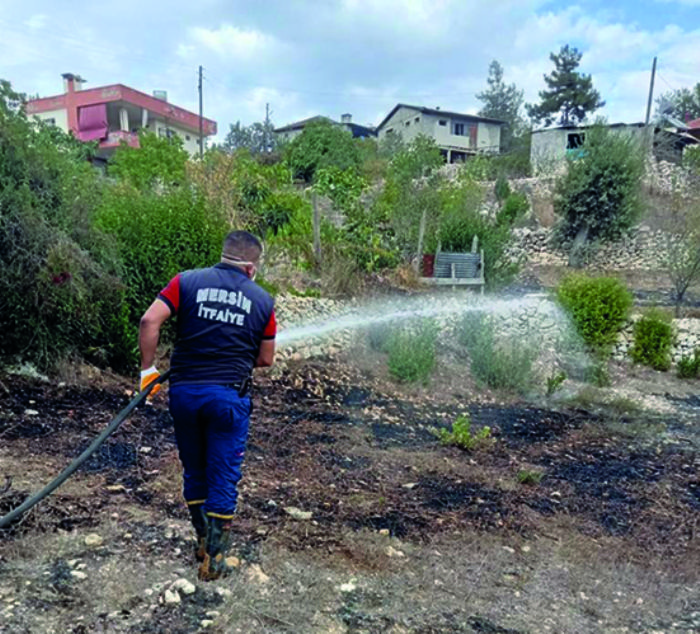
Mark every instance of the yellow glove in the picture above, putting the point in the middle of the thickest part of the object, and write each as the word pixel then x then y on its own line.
pixel 147 377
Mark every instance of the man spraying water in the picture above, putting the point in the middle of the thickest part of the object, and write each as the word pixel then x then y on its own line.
pixel 225 328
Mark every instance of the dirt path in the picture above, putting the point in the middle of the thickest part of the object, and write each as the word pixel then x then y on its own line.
pixel 405 535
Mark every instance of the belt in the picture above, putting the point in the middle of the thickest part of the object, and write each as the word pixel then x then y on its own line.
pixel 242 387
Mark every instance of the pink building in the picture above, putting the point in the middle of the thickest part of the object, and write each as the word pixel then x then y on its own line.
pixel 116 113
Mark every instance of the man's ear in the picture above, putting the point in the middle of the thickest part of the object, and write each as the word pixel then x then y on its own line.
pixel 251 270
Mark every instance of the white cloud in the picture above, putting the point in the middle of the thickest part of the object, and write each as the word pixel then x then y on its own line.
pixel 37 21
pixel 231 42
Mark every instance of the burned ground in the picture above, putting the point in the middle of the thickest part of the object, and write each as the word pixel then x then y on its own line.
pixel 363 462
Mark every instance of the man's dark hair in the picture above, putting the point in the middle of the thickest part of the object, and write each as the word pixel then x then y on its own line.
pixel 241 245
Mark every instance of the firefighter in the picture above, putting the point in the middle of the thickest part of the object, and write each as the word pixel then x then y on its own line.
pixel 225 328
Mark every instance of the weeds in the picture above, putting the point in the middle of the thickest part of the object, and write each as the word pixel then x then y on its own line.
pixel 530 477
pixel 501 365
pixel 412 353
pixel 378 336
pixel 554 382
pixel 689 366
pixel 461 435
pixel 599 375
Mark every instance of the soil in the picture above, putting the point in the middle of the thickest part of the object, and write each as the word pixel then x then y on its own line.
pixel 406 535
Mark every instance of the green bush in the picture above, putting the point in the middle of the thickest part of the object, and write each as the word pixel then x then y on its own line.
pixel 554 382
pixel 601 189
pixel 412 354
pixel 598 374
pixel 159 235
pixel 379 335
pixel 689 366
pixel 499 364
pixel 654 338
pixel 598 306
pixel 461 435
pixel 501 189
pixel 514 207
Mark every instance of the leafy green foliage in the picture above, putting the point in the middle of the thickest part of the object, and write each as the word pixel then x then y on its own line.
pixel 321 144
pixel 654 337
pixel 569 95
pixel 598 374
pixel 156 161
pixel 554 382
pixel 504 102
pixel 379 335
pixel 58 291
pixel 159 235
pixel 412 354
pixel 461 435
pixel 682 104
pixel 600 193
pixel 257 138
pixel 515 206
pixel 598 307
pixel 500 363
pixel 459 220
pixel 689 366
pixel 501 189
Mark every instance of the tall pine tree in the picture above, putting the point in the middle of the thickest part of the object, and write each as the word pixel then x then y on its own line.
pixel 682 104
pixel 570 95
pixel 502 101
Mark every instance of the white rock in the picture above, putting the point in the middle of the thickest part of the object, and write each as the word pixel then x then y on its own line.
pixel 350 586
pixel 93 540
pixel 297 513
pixel 78 574
pixel 223 592
pixel 183 585
pixel 256 575
pixel 206 623
pixel 171 597
pixel 31 412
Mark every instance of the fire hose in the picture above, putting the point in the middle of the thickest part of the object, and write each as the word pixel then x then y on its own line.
pixel 75 465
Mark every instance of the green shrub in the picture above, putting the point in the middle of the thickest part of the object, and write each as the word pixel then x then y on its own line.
pixel 159 235
pixel 601 189
pixel 530 477
pixel 501 365
pixel 598 306
pixel 412 353
pixel 515 206
pixel 598 374
pixel 654 338
pixel 501 189
pixel 461 435
pixel 554 382
pixel 689 366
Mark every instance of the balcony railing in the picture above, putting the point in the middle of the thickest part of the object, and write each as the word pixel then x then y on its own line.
pixel 116 137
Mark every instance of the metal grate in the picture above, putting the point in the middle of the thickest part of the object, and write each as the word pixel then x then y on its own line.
pixel 466 265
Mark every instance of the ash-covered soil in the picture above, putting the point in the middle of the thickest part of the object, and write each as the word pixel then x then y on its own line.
pixel 364 462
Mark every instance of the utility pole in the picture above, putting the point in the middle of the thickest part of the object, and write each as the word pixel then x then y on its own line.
pixel 650 132
pixel 201 122
pixel 651 92
pixel 266 140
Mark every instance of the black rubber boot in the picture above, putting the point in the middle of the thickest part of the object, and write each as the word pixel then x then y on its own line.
pixel 199 521
pixel 218 541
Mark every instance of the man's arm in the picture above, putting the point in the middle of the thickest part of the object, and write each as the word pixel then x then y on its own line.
pixel 266 356
pixel 149 331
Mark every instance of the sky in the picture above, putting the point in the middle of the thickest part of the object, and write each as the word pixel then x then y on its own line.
pixel 309 57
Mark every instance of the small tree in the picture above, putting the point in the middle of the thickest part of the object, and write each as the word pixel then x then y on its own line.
pixel 257 138
pixel 156 160
pixel 599 196
pixel 503 101
pixel 682 253
pixel 570 95
pixel 682 104
pixel 321 144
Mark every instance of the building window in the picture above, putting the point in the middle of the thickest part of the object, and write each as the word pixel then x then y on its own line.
pixel 442 122
pixel 575 140
pixel 408 123
pixel 187 137
pixel 50 121
pixel 390 130
pixel 417 119
pixel 458 129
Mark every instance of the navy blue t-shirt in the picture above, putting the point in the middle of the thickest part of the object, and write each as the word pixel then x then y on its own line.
pixel 222 318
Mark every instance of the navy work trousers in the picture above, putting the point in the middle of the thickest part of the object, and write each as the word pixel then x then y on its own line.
pixel 211 428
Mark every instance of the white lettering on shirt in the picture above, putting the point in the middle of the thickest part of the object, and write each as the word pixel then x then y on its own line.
pixel 220 313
